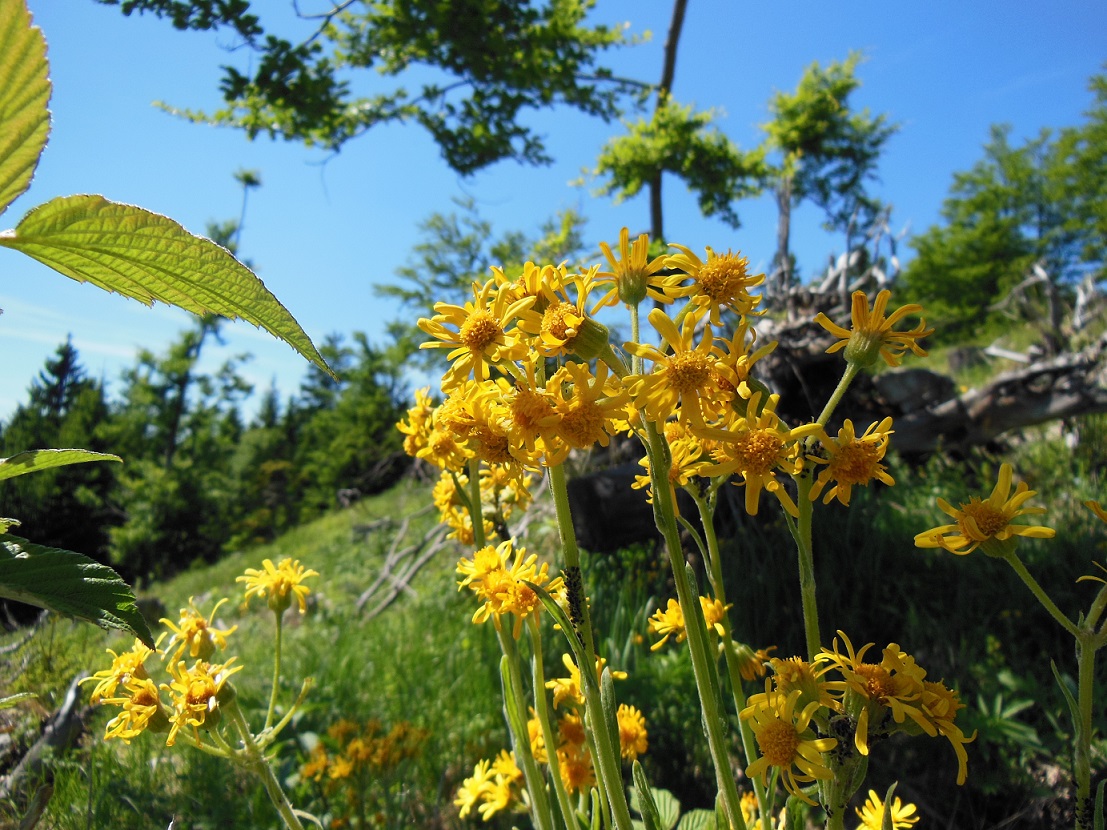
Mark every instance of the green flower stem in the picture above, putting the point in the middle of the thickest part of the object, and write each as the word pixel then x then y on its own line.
pixel 606 757
pixel 476 512
pixel 277 639
pixel 852 370
pixel 542 712
pixel 703 664
pixel 801 533
pixel 635 335
pixel 706 509
pixel 569 548
pixel 1082 740
pixel 1012 559
pixel 517 721
pixel 254 760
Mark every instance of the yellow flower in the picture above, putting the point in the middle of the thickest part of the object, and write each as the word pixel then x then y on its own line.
pixel 565 327
pixel 473 788
pixel 896 683
pixel 278 584
pixel 633 738
pixel 721 282
pixel 417 424
pixel 758 445
pixel 142 710
pixel 751 664
pixel 687 462
pixel 794 673
pixel 853 461
pixel 872 814
pixel 987 524
pixel 316 765
pixel 195 693
pixel 590 405
pixel 872 335
pixel 684 375
pixel 667 623
pixel 537 739
pixel 567 689
pixel 480 336
pixel 123 667
pixel 633 278
pixel 786 741
pixel 195 634
pixel 499 577
pixel 577 773
pixel 940 706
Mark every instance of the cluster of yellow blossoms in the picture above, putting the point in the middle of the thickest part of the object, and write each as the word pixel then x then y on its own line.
pixel 194 692
pixel 869 701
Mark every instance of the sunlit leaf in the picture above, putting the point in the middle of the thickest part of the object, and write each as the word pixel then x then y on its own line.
pixel 34 460
pixel 24 95
pixel 70 584
pixel 148 257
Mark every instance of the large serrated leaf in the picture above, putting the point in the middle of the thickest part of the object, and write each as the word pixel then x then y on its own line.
pixel 24 96
pixel 34 460
pixel 69 583
pixel 149 257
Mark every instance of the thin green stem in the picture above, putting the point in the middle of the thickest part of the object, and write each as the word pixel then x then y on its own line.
pixel 277 640
pixel 542 712
pixel 1082 740
pixel 703 664
pixel 517 720
pixel 635 337
pixel 1012 559
pixel 476 512
pixel 801 533
pixel 571 551
pixel 706 509
pixel 852 370
pixel 255 761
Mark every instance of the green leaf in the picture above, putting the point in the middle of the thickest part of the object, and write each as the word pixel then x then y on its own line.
pixel 34 460
pixel 69 583
pixel 697 820
pixel 148 257
pixel 16 699
pixel 24 95
pixel 1098 820
pixel 641 799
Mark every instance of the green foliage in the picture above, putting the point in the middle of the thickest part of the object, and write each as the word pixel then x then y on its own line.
pixel 1040 203
pixel 489 62
pixel 686 143
pixel 68 583
pixel 827 150
pixel 453 254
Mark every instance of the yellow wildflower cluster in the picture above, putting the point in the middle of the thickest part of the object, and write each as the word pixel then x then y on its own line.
pixel 359 760
pixel 190 702
pixel 802 707
pixel 494 787
pixel 501 577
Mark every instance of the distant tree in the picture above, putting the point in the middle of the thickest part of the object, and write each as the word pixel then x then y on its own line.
pixel 177 427
pixel 1021 229
pixel 822 151
pixel 67 507
pixel 341 445
pixel 467 71
pixel 456 250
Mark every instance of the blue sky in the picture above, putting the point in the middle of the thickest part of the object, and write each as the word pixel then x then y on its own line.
pixel 322 234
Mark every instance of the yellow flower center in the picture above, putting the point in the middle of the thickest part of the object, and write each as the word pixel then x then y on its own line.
pixel 989 519
pixel 761 450
pixel 492 446
pixel 582 424
pixel 145 697
pixel 778 742
pixel 200 690
pixel 479 331
pixel 689 371
pixel 723 277
pixel 561 321
pixel 528 408
pixel 878 682
pixel 855 463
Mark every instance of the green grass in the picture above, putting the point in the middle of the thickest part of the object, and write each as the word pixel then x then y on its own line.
pixel 968 620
